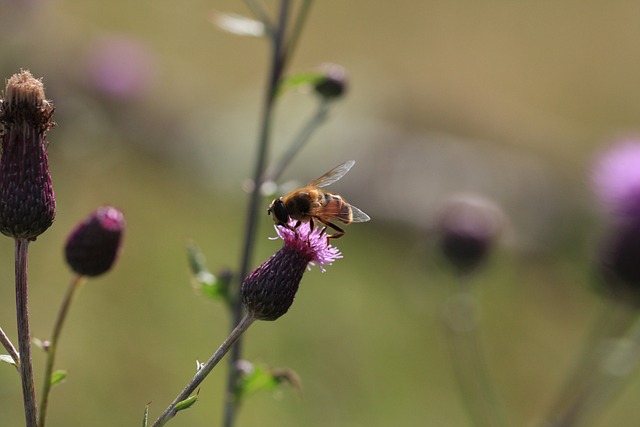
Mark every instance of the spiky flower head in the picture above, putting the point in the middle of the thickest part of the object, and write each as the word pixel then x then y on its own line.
pixel 27 200
pixel 467 227
pixel 93 246
pixel 268 292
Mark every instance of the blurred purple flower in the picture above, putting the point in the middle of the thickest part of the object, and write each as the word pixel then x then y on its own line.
pixel 467 227
pixel 616 179
pixel 120 67
pixel 268 292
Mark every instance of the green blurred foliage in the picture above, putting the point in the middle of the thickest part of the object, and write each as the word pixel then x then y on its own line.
pixel 548 81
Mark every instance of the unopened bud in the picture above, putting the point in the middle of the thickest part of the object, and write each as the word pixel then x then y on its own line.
pixel 93 246
pixel 334 82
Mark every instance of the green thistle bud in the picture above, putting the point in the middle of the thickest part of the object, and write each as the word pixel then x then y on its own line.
pixel 27 200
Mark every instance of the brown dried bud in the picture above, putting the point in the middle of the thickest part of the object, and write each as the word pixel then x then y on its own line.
pixel 27 200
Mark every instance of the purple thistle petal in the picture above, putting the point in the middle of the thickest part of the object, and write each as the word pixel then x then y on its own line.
pixel 616 179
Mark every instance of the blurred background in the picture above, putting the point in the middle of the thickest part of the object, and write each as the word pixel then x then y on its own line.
pixel 157 114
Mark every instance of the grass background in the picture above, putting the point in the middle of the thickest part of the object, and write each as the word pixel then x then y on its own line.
pixel 509 99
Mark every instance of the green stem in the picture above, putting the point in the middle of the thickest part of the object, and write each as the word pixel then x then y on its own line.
pixel 610 354
pixel 8 345
pixel 301 139
pixel 24 335
pixel 460 321
pixel 205 369
pixel 301 18
pixel 276 70
pixel 75 284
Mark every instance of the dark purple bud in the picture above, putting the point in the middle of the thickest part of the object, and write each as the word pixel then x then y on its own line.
pixel 620 262
pixel 93 246
pixel 27 200
pixel 268 292
pixel 334 82
pixel 467 228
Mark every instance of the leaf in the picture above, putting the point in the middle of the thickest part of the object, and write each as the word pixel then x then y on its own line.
pixel 259 377
pixel 58 377
pixel 187 403
pixel 215 287
pixel 7 359
pixel 145 416
pixel 299 80
pixel 238 24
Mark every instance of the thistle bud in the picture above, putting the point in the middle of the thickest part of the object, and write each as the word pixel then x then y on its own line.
pixel 619 263
pixel 27 200
pixel 268 292
pixel 93 246
pixel 334 82
pixel 467 228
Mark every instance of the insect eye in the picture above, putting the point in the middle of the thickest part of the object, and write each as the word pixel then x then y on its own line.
pixel 280 211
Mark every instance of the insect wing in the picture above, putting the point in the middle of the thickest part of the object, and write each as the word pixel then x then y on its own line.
pixel 358 216
pixel 337 208
pixel 333 175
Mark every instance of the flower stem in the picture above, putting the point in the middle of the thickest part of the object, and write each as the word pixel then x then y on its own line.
pixel 610 354
pixel 205 369
pixel 275 76
pixel 301 139
pixel 75 284
pixel 24 336
pixel 460 321
pixel 8 345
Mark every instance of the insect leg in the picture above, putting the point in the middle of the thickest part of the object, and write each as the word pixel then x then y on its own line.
pixel 339 231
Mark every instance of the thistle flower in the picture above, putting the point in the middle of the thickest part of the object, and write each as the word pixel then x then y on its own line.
pixel 27 200
pixel 269 290
pixel 616 179
pixel 334 82
pixel 467 227
pixel 93 246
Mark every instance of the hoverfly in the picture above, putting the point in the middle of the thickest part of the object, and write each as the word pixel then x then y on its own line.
pixel 311 203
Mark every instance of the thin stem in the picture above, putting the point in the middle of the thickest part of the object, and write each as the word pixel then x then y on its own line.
pixel 8 345
pixel 259 11
pixel 205 369
pixel 460 321
pixel 610 354
pixel 301 139
pixel 24 336
pixel 298 26
pixel 276 70
pixel 75 284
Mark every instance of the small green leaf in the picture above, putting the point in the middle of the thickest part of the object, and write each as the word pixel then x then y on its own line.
pixel 145 416
pixel 187 403
pixel 7 359
pixel 258 377
pixel 299 80
pixel 215 287
pixel 58 376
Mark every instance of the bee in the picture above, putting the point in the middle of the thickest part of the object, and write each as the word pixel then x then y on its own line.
pixel 311 203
